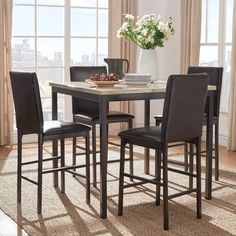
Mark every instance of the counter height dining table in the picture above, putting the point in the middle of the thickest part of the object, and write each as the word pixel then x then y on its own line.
pixel 104 95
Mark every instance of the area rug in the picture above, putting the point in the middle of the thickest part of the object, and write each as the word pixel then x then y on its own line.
pixel 68 214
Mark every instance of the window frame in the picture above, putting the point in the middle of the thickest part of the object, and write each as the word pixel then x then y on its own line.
pixel 66 47
pixel 221 44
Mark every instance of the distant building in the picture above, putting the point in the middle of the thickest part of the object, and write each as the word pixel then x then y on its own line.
pixel 22 54
pixel 85 59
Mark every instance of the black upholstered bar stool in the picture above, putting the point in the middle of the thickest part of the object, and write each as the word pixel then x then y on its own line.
pixel 29 120
pixel 87 112
pixel 184 94
pixel 215 78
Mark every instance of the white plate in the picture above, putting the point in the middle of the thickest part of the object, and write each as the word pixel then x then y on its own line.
pixel 160 82
pixel 102 83
pixel 137 77
pixel 136 82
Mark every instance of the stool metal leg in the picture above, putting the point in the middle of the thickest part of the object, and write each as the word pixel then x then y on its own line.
pixel 87 147
pixel 185 157
pixel 217 151
pixel 131 153
pixel 158 175
pixel 121 179
pixel 165 190
pixel 74 154
pixel 55 163
pixel 198 164
pixel 94 155
pixel 191 166
pixel 40 175
pixel 62 165
pixel 19 165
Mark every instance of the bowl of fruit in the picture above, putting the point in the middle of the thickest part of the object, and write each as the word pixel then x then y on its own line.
pixel 102 80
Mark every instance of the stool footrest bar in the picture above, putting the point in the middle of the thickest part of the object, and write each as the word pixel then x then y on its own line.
pixel 115 160
pixel 144 180
pixel 135 184
pixel 181 172
pixel 182 193
pixel 75 173
pixel 29 180
pixel 63 168
pixel 46 159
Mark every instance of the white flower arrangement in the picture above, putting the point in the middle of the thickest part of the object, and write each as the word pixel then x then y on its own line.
pixel 148 32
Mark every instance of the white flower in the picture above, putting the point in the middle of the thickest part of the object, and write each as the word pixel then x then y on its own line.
pixel 147 32
pixel 119 33
pixel 129 17
pixel 151 39
pixel 146 16
pixel 123 29
pixel 144 32
pixel 168 34
pixel 139 37
pixel 152 32
pixel 139 22
pixel 125 26
pixel 162 27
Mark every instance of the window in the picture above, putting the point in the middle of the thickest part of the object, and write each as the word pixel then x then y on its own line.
pixel 216 40
pixel 48 36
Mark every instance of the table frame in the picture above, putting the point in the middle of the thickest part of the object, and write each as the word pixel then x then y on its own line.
pixel 104 100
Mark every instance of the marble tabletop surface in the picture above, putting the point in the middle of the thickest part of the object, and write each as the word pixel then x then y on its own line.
pixel 158 86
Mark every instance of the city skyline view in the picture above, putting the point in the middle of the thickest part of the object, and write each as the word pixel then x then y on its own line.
pixel 87 43
pixel 42 45
pixel 23 55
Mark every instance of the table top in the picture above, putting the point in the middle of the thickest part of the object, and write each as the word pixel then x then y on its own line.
pixel 158 87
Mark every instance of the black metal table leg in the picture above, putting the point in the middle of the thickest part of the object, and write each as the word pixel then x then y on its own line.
pixel 147 123
pixel 103 156
pixel 54 142
pixel 209 138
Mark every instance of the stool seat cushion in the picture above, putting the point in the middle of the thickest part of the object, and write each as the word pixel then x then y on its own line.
pixel 56 127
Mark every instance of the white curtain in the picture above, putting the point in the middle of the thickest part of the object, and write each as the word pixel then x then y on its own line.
pixel 119 48
pixel 232 99
pixel 5 66
pixel 190 33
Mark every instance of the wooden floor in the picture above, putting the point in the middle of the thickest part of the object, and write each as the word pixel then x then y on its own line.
pixel 227 161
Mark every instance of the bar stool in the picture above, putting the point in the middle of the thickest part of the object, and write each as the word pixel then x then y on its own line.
pixel 29 120
pixel 185 94
pixel 87 112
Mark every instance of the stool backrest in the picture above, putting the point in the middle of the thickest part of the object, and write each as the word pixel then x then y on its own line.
pixel 81 73
pixel 184 107
pixel 215 78
pixel 28 107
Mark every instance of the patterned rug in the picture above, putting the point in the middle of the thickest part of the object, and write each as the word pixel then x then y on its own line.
pixel 68 214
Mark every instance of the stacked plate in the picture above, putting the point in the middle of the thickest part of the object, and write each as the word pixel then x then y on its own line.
pixel 137 79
